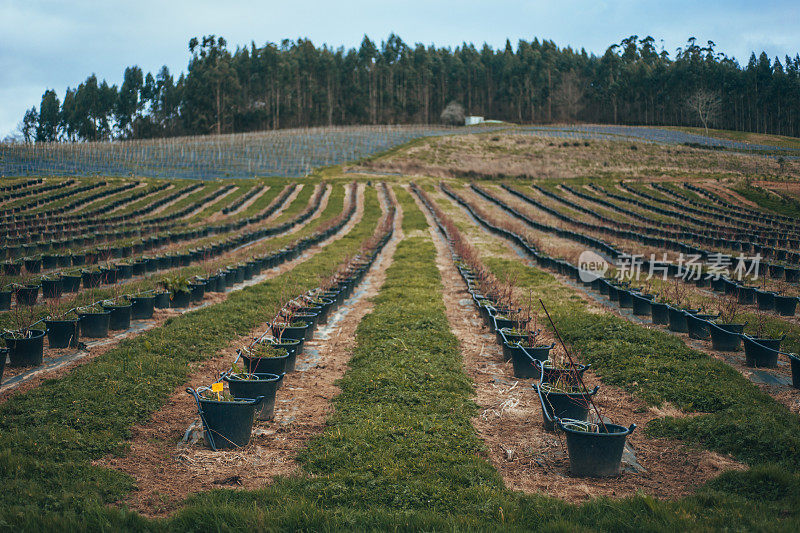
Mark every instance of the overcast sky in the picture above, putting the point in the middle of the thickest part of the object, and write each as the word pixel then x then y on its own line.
pixel 56 44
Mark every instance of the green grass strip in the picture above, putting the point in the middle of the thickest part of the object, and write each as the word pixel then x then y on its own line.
pixel 782 204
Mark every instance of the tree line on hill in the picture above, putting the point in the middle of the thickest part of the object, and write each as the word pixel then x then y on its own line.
pixel 296 84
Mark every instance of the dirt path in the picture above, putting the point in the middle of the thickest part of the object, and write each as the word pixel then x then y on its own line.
pixel 726 194
pixel 162 208
pixel 210 203
pixel 167 190
pixel 116 196
pixel 250 201
pixel 167 469
pixel 58 362
pixel 284 206
pixel 533 460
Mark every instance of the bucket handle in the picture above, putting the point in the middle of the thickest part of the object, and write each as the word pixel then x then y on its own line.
pixel 555 420
pixel 207 430
pixel 753 340
pixel 532 358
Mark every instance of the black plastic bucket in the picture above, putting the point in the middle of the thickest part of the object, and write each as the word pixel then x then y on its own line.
pixel 507 335
pixel 240 272
pixel 625 298
pixel 596 454
pixel 565 375
pixel 161 300
pixel 765 300
pixel 698 326
pixel 298 333
pixel 71 283
pixel 197 291
pixel 265 385
pixel 120 317
pixel 726 337
pixel 180 299
pixel 563 405
pixel 293 347
pixel 125 271
pixel 642 305
pixel 92 279
pixel 52 288
pixel 659 313
pixel 785 305
pixel 747 295
pixel 795 362
pixel 62 333
pixel 142 306
pixel 28 351
pixel 5 300
pixel 27 295
pixel 761 353
pixel 265 365
pixel 228 424
pixel 677 320
pixel 524 367
pixel 94 325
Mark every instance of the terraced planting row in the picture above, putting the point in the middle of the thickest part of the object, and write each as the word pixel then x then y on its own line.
pixel 165 252
pixel 96 312
pixel 720 318
pixel 674 389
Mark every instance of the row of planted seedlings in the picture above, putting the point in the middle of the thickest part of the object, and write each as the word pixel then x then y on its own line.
pixel 765 285
pixel 39 238
pixel 780 295
pixel 32 209
pixel 258 372
pixel 42 231
pixel 594 444
pixel 672 194
pixel 717 320
pixel 17 202
pixel 781 265
pixel 175 286
pixel 76 245
pixel 776 290
pixel 749 230
pixel 721 328
pixel 668 307
pixel 64 327
pixel 742 210
pixel 98 268
pixel 86 248
pixel 708 231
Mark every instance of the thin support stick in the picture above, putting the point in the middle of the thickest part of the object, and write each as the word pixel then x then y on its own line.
pixel 573 366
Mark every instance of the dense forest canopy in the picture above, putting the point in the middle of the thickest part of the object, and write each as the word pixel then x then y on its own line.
pixel 296 84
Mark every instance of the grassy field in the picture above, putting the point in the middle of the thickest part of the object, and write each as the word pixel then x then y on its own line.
pixel 516 154
pixel 780 141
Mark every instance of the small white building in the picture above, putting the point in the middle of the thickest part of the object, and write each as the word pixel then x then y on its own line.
pixel 473 120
